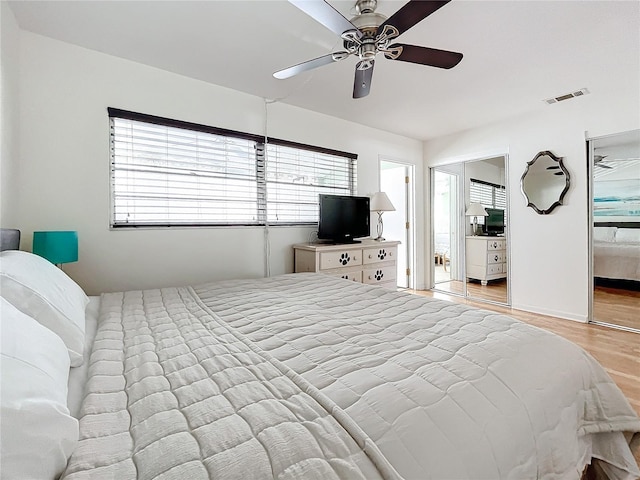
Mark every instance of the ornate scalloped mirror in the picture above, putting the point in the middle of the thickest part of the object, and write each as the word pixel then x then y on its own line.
pixel 545 182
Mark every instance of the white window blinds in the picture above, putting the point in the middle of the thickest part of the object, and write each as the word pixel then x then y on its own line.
pixel 488 194
pixel 295 177
pixel 165 172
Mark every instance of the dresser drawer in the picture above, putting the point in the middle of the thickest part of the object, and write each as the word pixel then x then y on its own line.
pixel 379 274
pixel 496 245
pixel 353 276
pixel 494 268
pixel 496 257
pixel 376 255
pixel 340 258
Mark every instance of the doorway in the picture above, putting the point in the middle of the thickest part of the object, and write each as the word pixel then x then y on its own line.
pixel 396 180
pixel 614 173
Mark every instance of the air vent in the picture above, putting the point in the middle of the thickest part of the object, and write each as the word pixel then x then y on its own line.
pixel 567 96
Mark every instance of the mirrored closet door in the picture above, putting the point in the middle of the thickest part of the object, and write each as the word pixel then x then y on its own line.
pixel 446 198
pixel 615 232
pixel 469 227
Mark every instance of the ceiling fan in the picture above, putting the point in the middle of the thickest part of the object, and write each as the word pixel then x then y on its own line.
pixel 370 33
pixel 599 158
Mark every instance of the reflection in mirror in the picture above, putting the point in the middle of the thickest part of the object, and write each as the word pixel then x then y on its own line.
pixel 469 262
pixel 485 245
pixel 545 182
pixel 447 270
pixel 615 173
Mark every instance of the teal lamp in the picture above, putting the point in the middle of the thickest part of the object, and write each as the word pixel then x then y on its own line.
pixel 58 246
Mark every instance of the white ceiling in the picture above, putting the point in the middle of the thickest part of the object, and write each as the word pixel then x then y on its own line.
pixel 516 53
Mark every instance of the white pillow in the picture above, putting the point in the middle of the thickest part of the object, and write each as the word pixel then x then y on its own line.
pixel 604 234
pixel 38 434
pixel 628 235
pixel 42 291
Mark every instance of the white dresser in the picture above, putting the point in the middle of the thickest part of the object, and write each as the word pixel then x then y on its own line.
pixel 366 262
pixel 486 258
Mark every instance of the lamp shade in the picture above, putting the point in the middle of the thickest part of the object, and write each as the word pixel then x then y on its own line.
pixel 476 210
pixel 381 203
pixel 57 247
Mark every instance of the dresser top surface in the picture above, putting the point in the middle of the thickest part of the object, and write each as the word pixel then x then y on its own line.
pixel 342 246
pixel 486 237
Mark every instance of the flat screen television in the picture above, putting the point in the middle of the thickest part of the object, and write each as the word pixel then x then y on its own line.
pixel 343 218
pixel 494 222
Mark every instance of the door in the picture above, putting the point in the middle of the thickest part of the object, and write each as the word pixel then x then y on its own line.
pixel 469 223
pixel 614 166
pixel 486 242
pixel 447 269
pixel 396 180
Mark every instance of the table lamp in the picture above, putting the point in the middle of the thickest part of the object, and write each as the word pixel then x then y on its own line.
pixel 57 246
pixel 380 203
pixel 476 210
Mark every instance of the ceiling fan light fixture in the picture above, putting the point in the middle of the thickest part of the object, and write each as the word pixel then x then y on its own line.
pixel 368 51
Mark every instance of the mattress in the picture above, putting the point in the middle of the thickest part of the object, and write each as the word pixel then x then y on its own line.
pixel 311 376
pixel 620 261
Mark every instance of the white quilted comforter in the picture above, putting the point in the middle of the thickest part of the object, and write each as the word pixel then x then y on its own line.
pixel 307 376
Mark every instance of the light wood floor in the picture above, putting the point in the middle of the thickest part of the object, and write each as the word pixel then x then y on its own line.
pixel 617 306
pixel 610 305
pixel 495 291
pixel 616 350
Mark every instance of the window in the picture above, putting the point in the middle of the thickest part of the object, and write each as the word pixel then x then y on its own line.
pixel 170 173
pixel 295 177
pixel 490 195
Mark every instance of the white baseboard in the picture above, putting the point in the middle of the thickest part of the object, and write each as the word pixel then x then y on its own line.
pixel 553 313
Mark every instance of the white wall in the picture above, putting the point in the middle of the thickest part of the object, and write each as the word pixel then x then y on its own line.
pixel 9 104
pixel 64 160
pixel 549 253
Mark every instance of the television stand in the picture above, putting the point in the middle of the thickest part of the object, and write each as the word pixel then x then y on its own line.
pixel 367 261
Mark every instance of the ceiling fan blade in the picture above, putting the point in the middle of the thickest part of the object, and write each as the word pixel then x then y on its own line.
pixel 362 81
pixel 310 64
pixel 325 14
pixel 423 55
pixel 412 13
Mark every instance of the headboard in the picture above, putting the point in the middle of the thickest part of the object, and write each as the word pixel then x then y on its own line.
pixel 617 224
pixel 9 239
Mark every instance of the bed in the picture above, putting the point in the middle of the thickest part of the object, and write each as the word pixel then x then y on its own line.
pixel 310 376
pixel 616 252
